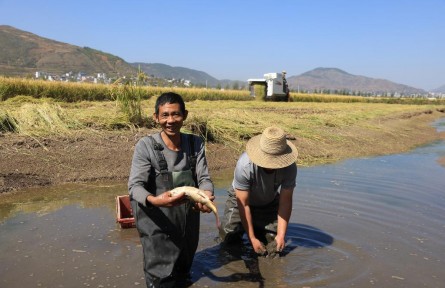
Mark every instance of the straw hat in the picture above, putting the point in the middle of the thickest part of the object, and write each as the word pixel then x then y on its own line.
pixel 271 149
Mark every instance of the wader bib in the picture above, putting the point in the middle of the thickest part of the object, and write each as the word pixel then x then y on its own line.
pixel 169 235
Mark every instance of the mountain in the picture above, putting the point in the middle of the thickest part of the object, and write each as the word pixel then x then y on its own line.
pixel 196 77
pixel 168 72
pixel 440 89
pixel 23 53
pixel 336 79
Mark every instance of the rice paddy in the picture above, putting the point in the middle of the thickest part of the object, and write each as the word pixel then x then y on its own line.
pixel 229 117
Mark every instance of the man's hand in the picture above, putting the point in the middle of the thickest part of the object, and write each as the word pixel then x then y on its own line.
pixel 166 200
pixel 203 208
pixel 258 246
pixel 280 243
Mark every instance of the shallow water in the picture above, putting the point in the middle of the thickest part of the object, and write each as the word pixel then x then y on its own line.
pixel 375 222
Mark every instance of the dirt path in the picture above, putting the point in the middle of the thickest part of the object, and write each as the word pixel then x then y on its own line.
pixel 106 155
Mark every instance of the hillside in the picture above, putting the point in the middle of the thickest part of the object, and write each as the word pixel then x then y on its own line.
pixel 336 79
pixel 159 70
pixel 440 89
pixel 24 53
pixel 196 77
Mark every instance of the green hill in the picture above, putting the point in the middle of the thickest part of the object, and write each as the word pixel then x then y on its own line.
pixel 23 53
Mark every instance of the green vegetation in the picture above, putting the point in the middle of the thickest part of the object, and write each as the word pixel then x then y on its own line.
pixel 129 97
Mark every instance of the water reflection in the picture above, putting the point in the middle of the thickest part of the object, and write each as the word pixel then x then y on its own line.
pixel 46 200
pixel 246 266
pixel 301 235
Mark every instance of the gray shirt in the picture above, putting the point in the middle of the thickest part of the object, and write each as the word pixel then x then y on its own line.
pixel 144 159
pixel 262 186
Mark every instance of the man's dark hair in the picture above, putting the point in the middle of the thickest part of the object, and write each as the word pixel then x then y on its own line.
pixel 170 98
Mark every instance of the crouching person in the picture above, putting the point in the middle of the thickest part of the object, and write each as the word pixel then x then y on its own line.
pixel 259 202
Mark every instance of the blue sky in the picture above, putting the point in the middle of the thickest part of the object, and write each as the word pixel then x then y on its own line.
pixel 399 40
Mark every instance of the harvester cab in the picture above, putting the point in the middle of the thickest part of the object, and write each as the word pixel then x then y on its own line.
pixel 273 87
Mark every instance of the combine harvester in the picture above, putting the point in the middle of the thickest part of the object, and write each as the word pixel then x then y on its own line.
pixel 273 87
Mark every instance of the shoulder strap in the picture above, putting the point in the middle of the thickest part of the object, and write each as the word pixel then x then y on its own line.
pixel 157 147
pixel 193 157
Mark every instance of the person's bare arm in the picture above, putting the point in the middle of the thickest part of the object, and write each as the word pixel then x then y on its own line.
pixel 242 198
pixel 284 213
pixel 166 200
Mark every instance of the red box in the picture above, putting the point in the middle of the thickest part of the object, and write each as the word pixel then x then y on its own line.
pixel 124 212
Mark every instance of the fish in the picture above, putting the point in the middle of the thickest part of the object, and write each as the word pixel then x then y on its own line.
pixel 197 195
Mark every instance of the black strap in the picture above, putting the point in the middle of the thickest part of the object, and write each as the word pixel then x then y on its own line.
pixel 192 158
pixel 161 159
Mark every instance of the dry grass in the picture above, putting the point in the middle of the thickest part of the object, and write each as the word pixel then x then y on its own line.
pixel 225 122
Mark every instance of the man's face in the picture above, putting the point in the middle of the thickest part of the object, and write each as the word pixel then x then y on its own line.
pixel 170 118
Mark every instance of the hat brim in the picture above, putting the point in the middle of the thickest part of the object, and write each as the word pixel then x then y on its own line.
pixel 265 160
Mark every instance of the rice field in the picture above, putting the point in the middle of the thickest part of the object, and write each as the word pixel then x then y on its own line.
pixel 77 92
pixel 39 108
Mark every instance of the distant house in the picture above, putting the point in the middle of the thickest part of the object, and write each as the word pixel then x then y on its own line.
pixel 88 79
pixel 81 76
pixel 41 75
pixel 101 75
pixel 53 78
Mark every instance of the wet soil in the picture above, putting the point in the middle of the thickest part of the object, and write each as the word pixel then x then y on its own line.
pixel 89 156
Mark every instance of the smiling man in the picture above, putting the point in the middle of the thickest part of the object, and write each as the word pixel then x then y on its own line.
pixel 168 225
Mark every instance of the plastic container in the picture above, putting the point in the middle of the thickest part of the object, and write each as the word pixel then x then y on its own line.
pixel 124 212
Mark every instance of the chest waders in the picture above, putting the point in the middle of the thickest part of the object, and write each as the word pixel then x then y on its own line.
pixel 169 235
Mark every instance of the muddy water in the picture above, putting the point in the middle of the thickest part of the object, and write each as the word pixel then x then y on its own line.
pixel 375 222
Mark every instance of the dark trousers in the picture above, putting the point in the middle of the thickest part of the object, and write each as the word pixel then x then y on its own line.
pixel 265 221
pixel 168 256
